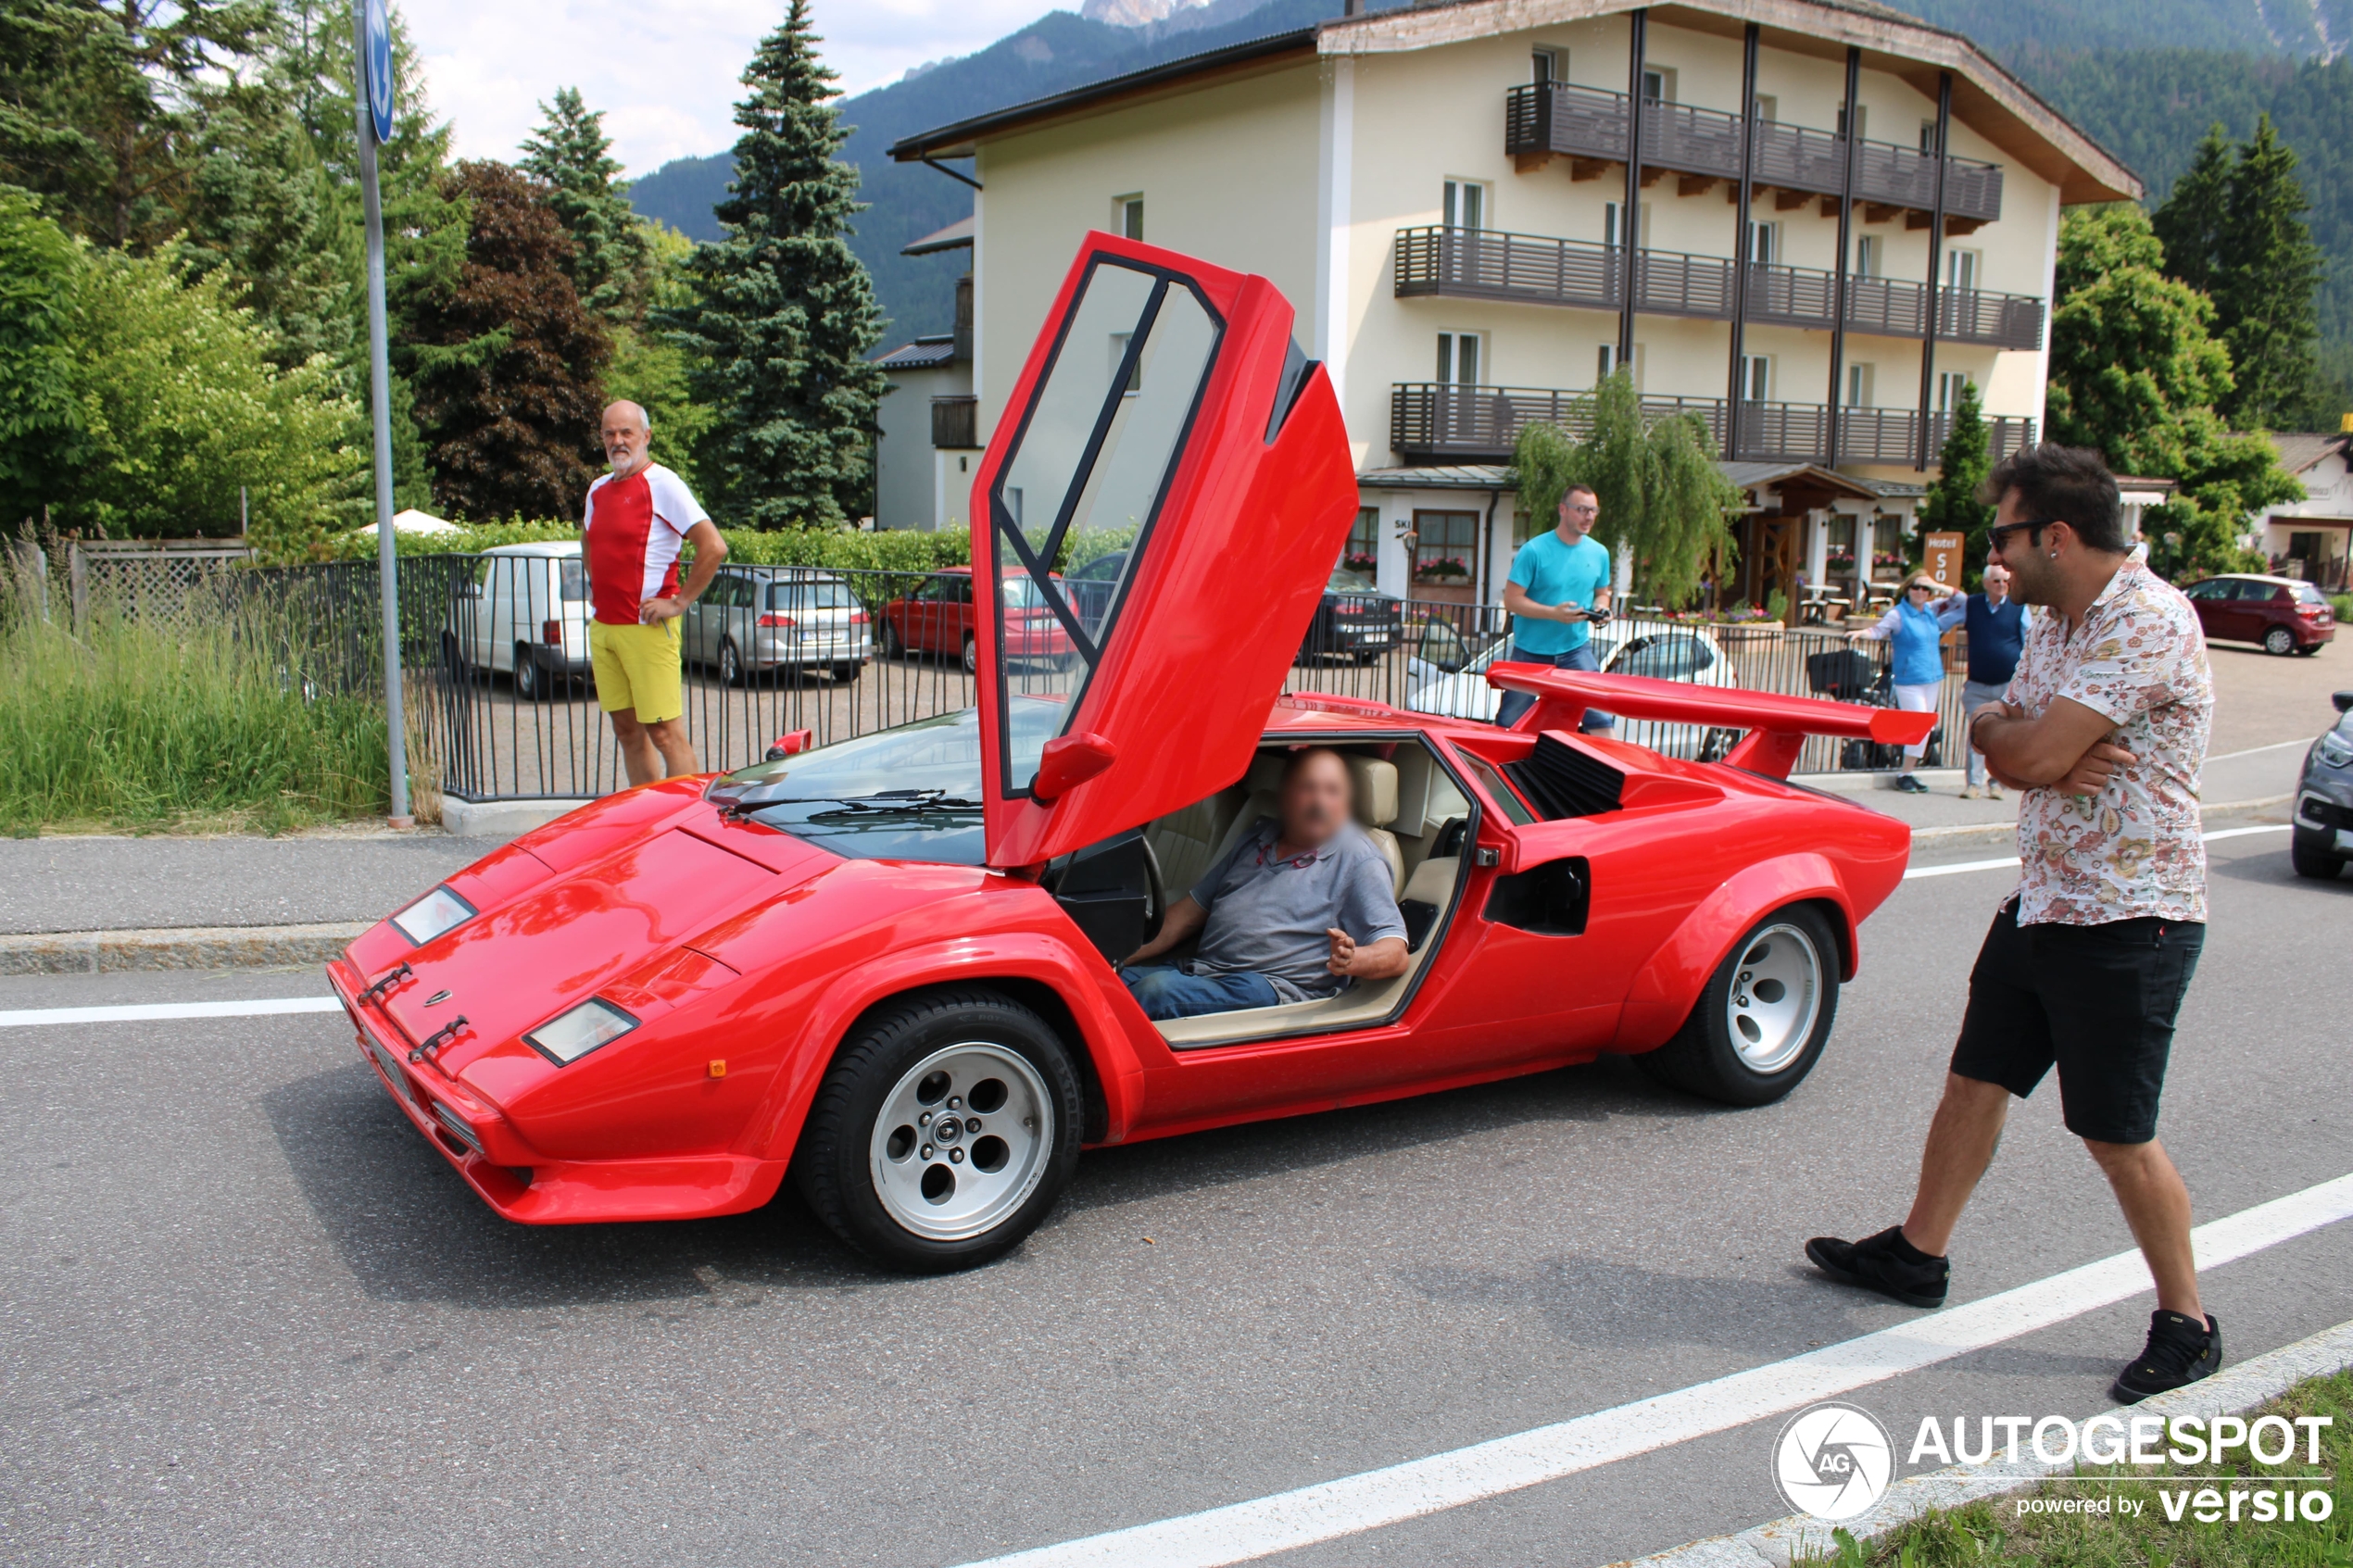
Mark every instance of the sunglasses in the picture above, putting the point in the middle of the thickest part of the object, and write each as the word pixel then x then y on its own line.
pixel 1997 535
pixel 1920 588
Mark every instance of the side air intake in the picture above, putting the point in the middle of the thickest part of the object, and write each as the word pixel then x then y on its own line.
pixel 1561 780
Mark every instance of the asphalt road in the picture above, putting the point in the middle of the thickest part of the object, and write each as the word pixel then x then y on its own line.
pixel 253 1319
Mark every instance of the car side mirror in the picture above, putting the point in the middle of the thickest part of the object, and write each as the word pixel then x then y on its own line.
pixel 1067 763
pixel 2343 701
pixel 792 742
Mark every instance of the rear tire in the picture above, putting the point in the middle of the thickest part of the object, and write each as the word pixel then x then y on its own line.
pixel 531 682
pixel 872 1161
pixel 2309 649
pixel 1762 1018
pixel 2313 858
pixel 849 670
pixel 2279 642
pixel 731 664
pixel 971 654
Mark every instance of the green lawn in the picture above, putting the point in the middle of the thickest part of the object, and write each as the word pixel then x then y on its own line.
pixel 1997 1535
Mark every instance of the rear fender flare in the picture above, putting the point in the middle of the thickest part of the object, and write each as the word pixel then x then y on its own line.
pixel 1034 958
pixel 1668 985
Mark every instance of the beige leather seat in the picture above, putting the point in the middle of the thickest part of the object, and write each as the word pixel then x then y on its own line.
pixel 1186 842
pixel 1375 791
pixel 1261 797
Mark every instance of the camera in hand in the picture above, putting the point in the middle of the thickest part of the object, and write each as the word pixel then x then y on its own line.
pixel 1599 615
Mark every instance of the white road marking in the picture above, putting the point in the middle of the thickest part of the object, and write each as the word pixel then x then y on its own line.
pixel 2259 750
pixel 150 1011
pixel 1378 1497
pixel 1959 866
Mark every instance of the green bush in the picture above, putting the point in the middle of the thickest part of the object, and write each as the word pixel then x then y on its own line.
pixel 2343 605
pixel 142 726
pixel 842 550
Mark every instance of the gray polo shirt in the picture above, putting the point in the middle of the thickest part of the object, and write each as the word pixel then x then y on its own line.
pixel 1268 915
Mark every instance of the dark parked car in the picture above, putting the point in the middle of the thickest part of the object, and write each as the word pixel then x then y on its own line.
pixel 2323 838
pixel 1355 621
pixel 2285 615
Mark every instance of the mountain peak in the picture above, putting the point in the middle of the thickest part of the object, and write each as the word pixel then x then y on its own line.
pixel 1135 13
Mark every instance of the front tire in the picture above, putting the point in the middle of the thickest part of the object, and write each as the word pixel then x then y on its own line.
pixel 844 673
pixel 944 1132
pixel 1763 1018
pixel 2311 856
pixel 2279 642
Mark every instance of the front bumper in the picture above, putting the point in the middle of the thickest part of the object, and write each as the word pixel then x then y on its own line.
pixel 518 1182
pixel 2322 817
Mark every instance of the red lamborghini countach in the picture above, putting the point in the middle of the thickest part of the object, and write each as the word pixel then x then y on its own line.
pixel 884 968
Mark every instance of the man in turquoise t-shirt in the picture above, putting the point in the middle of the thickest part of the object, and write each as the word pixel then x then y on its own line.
pixel 1559 579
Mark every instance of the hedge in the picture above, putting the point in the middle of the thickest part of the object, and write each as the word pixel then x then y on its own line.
pixel 897 549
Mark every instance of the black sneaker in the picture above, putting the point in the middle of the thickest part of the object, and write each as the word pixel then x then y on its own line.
pixel 2178 1352
pixel 1911 785
pixel 1880 1262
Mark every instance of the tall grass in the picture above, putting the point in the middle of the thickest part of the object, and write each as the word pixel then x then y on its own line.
pixel 200 721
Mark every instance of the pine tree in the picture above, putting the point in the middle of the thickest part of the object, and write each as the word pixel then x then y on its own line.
pixel 572 156
pixel 785 314
pixel 1962 464
pixel 2189 222
pixel 509 363
pixel 2268 271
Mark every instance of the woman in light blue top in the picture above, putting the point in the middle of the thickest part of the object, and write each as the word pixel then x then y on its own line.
pixel 1916 623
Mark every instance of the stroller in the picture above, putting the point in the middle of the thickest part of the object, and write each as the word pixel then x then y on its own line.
pixel 1851 675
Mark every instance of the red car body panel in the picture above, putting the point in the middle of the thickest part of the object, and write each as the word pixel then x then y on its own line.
pixel 748 956
pixel 1187 623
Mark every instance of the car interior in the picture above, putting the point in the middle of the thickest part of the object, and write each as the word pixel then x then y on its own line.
pixel 1405 801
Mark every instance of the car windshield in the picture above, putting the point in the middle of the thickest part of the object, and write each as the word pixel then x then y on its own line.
pixel 908 793
pixel 803 597
pixel 1346 582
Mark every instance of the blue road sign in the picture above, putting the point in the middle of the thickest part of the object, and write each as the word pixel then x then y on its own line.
pixel 379 64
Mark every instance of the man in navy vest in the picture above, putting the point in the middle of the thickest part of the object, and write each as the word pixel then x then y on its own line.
pixel 1997 627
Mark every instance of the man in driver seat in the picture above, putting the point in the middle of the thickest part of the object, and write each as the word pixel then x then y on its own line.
pixel 1292 914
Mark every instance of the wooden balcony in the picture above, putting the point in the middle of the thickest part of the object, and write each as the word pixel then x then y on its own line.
pixel 1537 269
pixel 1547 120
pixel 1435 422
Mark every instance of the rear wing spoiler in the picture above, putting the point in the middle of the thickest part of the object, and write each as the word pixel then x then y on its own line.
pixel 1777 725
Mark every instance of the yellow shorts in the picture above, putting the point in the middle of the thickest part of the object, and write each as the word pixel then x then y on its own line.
pixel 636 666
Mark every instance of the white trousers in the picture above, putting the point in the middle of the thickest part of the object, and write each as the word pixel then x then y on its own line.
pixel 1917 699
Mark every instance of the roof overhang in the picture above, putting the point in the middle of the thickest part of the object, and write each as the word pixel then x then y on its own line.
pixel 956 236
pixel 1987 98
pixel 1253 58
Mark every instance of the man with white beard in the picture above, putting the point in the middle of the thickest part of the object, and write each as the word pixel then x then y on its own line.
pixel 636 518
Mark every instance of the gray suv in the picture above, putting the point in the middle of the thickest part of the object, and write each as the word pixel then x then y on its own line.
pixel 755 619
pixel 2323 839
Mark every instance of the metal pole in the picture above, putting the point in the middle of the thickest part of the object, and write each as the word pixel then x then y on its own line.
pixel 379 386
pixel 1744 197
pixel 1933 303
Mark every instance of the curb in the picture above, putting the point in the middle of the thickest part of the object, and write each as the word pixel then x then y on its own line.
pixel 215 947
pixel 501 819
pixel 2009 830
pixel 2231 1391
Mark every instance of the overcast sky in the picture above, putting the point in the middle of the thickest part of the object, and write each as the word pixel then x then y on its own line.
pixel 665 72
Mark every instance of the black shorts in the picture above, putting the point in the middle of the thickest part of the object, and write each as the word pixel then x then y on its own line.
pixel 2099 1000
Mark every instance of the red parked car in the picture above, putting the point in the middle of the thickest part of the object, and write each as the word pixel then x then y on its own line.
pixel 2283 614
pixel 937 618
pixel 885 967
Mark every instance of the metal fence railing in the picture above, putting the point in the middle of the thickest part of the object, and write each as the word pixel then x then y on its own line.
pixel 501 704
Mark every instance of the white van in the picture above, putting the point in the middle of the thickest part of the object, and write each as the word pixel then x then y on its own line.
pixel 526 612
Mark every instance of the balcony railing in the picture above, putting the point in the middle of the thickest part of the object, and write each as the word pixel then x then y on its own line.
pixel 1535 269
pixel 1587 123
pixel 1433 421
pixel 955 422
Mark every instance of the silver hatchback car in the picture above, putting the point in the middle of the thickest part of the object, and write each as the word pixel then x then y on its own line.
pixel 756 618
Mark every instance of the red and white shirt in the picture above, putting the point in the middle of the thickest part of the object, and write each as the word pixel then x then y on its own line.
pixel 634 527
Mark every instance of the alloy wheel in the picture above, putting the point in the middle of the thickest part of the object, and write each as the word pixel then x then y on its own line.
pixel 1770 1007
pixel 962 1140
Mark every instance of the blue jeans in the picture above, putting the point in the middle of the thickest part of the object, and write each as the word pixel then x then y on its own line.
pixel 1517 704
pixel 1165 991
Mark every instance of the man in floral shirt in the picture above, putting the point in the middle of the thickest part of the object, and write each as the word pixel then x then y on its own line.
pixel 2104 729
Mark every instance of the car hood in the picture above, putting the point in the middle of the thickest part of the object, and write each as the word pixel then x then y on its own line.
pixel 620 922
